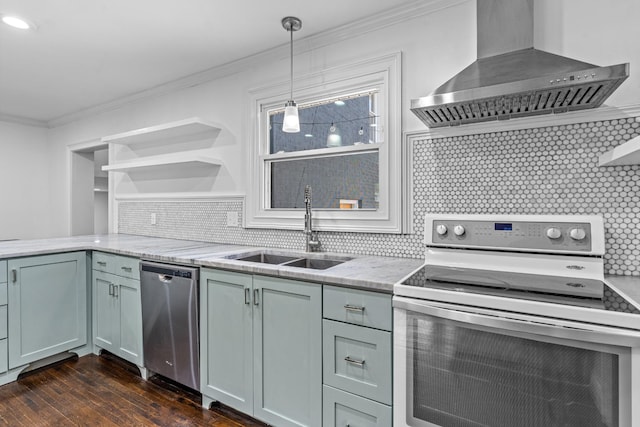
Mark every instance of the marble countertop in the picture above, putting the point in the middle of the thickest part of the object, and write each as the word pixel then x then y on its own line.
pixel 360 271
pixel 627 287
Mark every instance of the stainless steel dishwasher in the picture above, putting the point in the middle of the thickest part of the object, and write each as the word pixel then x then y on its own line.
pixel 170 321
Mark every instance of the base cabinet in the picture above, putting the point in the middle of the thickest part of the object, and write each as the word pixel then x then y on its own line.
pixel 357 358
pixel 4 362
pixel 117 312
pixel 261 346
pixel 47 306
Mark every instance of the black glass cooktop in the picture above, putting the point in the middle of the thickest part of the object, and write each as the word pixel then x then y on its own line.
pixel 551 289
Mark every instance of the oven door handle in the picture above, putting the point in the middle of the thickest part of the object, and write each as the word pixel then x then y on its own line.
pixel 516 322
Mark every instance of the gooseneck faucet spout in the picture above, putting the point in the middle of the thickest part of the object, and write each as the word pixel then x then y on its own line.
pixel 313 244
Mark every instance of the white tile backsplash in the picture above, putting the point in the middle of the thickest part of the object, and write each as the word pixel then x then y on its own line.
pixel 548 170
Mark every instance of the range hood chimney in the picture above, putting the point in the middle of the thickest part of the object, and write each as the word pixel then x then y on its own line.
pixel 512 79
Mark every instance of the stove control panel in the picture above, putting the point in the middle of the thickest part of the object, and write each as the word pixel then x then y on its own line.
pixel 573 234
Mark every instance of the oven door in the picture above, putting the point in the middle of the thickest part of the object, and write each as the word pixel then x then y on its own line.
pixel 466 366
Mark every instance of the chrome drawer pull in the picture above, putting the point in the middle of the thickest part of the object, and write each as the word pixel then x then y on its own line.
pixel 247 296
pixel 14 275
pixel 101 263
pixel 127 269
pixel 348 359
pixel 111 289
pixel 358 308
pixel 256 297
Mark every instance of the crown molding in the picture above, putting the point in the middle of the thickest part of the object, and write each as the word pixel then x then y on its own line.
pixel 546 120
pixel 365 25
pixel 23 120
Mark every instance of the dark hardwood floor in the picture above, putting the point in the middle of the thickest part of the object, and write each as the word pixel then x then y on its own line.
pixel 105 391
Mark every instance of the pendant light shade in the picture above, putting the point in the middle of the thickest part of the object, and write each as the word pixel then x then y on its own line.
pixel 291 122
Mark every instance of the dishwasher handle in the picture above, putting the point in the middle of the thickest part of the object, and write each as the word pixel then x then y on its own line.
pixel 167 272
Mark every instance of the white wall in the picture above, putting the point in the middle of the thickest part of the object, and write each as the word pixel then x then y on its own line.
pixel 24 182
pixel 434 47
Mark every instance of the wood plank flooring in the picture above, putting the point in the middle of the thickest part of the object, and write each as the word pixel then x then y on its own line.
pixel 105 391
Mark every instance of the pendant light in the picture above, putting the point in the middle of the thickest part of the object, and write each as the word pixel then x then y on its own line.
pixel 291 122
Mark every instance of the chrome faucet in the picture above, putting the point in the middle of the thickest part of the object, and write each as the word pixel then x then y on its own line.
pixel 313 244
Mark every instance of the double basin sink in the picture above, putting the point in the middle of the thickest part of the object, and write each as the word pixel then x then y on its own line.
pixel 290 260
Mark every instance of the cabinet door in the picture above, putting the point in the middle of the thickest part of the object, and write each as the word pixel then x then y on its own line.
pixel 226 338
pixel 129 306
pixel 47 306
pixel 105 312
pixel 287 328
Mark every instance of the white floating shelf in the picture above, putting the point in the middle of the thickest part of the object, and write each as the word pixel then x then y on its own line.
pixel 159 162
pixel 191 128
pixel 624 154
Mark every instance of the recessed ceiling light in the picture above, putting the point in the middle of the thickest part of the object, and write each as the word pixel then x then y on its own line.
pixel 339 103
pixel 16 22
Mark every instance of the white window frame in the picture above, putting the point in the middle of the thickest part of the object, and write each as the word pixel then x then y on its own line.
pixel 380 73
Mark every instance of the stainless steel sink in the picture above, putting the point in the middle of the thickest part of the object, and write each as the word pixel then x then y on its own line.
pixel 267 258
pixel 314 263
pixel 296 260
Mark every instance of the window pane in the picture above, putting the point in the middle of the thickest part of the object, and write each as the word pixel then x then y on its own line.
pixel 352 179
pixel 354 119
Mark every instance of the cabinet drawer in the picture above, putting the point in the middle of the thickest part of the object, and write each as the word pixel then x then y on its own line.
pixel 357 360
pixel 4 362
pixel 359 307
pixel 3 293
pixel 117 264
pixel 102 262
pixel 3 321
pixel 127 267
pixel 340 408
pixel 3 271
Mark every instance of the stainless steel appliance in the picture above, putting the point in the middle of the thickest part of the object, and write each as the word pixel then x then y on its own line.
pixel 509 322
pixel 512 79
pixel 170 321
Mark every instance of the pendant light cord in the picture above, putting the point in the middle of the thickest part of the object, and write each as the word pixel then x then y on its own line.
pixel 291 88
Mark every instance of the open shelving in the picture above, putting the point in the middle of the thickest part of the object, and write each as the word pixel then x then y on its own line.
pixel 624 154
pixel 192 128
pixel 159 162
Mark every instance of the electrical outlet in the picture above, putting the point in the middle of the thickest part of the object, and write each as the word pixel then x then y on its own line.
pixel 232 219
pixel 154 219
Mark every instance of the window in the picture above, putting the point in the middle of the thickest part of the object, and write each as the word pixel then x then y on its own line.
pixel 347 150
pixel 343 167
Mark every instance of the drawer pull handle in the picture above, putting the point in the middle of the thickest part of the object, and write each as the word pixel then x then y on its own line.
pixel 356 308
pixel 247 296
pixel 127 269
pixel 349 359
pixel 256 297
pixel 111 289
pixel 14 275
pixel 101 263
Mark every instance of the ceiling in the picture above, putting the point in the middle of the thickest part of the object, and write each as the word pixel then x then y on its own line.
pixel 87 53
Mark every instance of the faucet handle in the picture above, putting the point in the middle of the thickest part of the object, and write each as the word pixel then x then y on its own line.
pixel 307 192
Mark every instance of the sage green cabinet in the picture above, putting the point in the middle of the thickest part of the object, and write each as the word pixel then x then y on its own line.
pixel 4 362
pixel 226 344
pixel 117 316
pixel 47 306
pixel 261 346
pixel 357 357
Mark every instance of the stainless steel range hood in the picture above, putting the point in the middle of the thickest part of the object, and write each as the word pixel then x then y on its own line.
pixel 512 79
